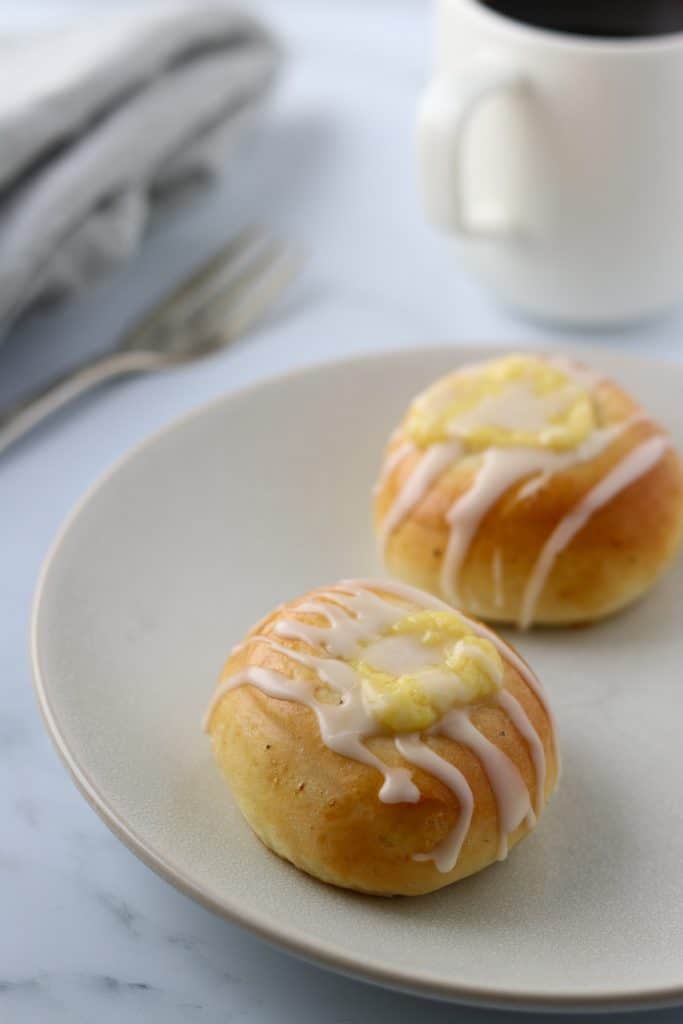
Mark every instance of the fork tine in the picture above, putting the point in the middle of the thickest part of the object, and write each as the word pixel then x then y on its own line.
pixel 174 303
pixel 254 298
pixel 254 270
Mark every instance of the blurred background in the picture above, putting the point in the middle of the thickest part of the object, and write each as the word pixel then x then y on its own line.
pixel 329 162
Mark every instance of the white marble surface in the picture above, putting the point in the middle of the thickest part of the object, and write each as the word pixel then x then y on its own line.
pixel 87 932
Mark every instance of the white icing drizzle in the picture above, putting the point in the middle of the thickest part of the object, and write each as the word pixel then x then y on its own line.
pixel 636 463
pixel 429 468
pixel 501 469
pixel 343 727
pixel 392 461
pixel 445 854
pixel 522 723
pixel 532 486
pixel 512 796
pixel 349 619
pixel 352 618
pixel 497 572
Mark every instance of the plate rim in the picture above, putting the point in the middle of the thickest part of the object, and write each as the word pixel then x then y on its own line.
pixel 327 955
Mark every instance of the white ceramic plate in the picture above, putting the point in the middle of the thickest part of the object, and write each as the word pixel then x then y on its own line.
pixel 256 498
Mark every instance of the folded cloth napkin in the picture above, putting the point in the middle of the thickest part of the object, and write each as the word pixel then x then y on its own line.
pixel 99 123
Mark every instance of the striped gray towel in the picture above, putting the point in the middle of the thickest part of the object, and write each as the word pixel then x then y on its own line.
pixel 100 123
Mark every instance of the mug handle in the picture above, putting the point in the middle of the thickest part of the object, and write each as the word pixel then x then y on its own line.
pixel 444 115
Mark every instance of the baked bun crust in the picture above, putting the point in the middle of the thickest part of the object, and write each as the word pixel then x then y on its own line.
pixel 593 536
pixel 323 811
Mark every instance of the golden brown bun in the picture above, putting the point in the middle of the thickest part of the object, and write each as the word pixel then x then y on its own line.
pixel 321 810
pixel 620 552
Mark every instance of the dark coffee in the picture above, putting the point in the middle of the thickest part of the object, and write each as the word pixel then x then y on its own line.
pixel 603 19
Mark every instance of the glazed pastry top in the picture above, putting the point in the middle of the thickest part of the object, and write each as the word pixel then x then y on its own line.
pixel 425 664
pixel 514 401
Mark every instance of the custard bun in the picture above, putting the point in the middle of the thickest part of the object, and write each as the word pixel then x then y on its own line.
pixel 380 740
pixel 529 490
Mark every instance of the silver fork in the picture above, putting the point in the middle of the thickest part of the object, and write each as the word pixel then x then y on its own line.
pixel 214 306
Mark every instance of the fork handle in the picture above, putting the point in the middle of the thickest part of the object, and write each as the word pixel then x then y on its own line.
pixel 19 419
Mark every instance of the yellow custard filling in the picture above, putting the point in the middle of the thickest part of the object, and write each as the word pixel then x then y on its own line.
pixel 459 668
pixel 514 401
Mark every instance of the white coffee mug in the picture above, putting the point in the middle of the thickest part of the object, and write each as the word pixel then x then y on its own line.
pixel 556 161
